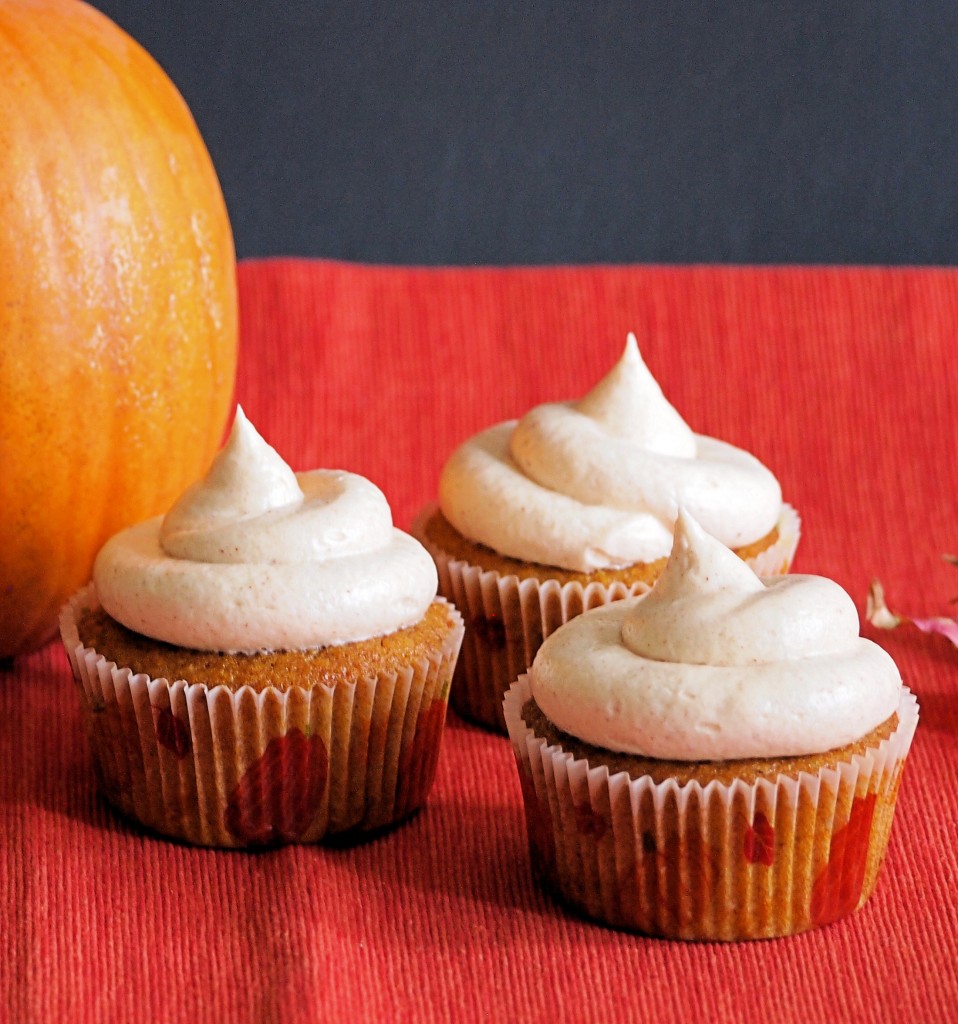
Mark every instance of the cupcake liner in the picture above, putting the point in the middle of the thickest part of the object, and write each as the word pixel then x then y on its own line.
pixel 777 558
pixel 219 767
pixel 740 861
pixel 507 618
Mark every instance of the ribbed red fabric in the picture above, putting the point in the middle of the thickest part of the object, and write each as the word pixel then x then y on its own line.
pixel 842 380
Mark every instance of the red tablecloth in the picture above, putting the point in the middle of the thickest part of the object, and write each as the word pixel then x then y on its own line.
pixel 843 381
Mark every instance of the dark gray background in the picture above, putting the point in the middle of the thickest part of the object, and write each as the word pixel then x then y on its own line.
pixel 675 131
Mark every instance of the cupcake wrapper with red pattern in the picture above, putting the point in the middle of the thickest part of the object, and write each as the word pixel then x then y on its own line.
pixel 738 861
pixel 507 618
pixel 219 767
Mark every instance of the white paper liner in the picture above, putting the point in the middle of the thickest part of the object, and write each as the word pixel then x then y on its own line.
pixel 776 560
pixel 740 861
pixel 208 764
pixel 507 618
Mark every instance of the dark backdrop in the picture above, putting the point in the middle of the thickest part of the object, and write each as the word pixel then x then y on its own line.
pixel 525 132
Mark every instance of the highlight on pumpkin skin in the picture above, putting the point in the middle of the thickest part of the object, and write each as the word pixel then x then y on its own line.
pixel 112 205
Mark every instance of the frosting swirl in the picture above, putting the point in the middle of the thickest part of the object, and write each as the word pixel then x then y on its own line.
pixel 597 483
pixel 715 664
pixel 256 557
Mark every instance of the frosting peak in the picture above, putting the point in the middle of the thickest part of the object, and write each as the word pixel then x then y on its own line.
pixel 251 507
pixel 709 608
pixel 256 557
pixel 698 564
pixel 715 663
pixel 629 403
pixel 247 478
pixel 596 483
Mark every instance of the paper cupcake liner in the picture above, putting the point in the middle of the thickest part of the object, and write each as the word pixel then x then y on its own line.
pixel 739 861
pixel 777 558
pixel 238 768
pixel 507 618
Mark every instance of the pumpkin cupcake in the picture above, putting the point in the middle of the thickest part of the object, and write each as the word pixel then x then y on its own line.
pixel 719 759
pixel 268 663
pixel 572 507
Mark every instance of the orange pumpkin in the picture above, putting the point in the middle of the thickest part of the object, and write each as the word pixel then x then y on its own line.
pixel 118 318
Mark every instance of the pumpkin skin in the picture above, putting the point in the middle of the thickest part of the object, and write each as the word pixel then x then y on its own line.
pixel 118 318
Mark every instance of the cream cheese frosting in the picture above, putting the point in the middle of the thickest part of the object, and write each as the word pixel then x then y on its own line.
pixel 256 557
pixel 717 664
pixel 597 483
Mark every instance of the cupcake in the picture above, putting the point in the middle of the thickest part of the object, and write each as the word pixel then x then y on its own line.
pixel 268 663
pixel 719 759
pixel 572 507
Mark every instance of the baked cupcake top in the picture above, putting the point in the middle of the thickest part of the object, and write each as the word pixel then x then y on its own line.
pixel 717 664
pixel 597 483
pixel 255 557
